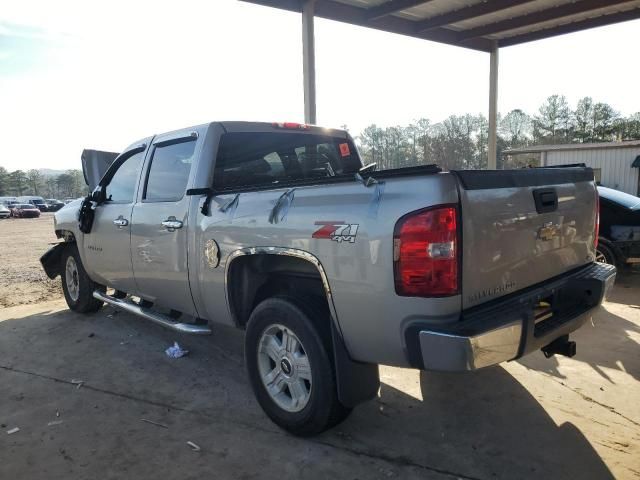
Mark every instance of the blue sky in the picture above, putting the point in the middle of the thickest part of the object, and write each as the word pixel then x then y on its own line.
pixel 77 75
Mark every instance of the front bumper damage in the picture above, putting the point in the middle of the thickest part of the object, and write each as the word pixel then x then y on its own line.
pixel 507 329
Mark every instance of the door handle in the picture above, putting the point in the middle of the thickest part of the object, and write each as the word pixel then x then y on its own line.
pixel 171 224
pixel 121 222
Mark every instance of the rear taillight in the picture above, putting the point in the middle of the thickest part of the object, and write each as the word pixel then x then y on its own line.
pixel 597 228
pixel 425 253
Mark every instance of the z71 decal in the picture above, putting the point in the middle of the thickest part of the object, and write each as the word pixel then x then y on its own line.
pixel 337 231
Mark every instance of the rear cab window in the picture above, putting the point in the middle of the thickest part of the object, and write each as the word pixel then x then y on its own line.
pixel 270 159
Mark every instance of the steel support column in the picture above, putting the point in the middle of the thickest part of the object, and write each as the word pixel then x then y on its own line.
pixel 309 61
pixel 493 107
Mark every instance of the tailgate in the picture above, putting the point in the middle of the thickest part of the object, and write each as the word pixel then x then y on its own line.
pixel 522 227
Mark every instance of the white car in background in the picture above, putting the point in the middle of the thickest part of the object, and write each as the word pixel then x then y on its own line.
pixel 4 211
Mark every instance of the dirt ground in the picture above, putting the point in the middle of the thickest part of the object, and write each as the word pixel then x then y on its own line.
pixel 22 280
pixel 84 389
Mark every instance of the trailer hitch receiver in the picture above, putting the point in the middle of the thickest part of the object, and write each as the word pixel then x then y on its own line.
pixel 560 346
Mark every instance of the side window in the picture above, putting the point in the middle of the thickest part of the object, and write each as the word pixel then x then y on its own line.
pixel 169 172
pixel 122 186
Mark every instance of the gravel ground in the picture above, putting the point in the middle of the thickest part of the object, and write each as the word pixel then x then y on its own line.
pixel 22 280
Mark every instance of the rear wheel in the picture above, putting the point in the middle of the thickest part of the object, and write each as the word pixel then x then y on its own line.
pixel 289 364
pixel 78 288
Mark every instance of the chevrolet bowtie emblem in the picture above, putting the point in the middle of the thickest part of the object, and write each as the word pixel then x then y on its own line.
pixel 548 231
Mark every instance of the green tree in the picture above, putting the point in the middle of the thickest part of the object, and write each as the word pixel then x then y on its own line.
pixel 35 180
pixel 65 184
pixel 603 120
pixel 552 124
pixel 423 131
pixel 583 115
pixel 79 187
pixel 515 128
pixel 51 187
pixel 370 142
pixel 18 182
pixel 4 182
pixel 627 128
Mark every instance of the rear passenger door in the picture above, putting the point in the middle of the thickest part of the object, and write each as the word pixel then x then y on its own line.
pixel 159 225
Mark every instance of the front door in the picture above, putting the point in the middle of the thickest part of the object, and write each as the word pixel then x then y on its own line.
pixel 107 247
pixel 159 224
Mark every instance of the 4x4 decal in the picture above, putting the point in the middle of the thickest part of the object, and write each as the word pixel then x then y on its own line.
pixel 338 231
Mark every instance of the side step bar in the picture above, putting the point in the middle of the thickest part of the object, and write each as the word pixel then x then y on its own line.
pixel 155 317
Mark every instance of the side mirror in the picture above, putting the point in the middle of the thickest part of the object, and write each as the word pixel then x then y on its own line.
pixel 98 194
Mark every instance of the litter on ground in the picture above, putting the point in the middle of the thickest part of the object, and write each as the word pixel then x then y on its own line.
pixel 154 423
pixel 176 351
pixel 194 447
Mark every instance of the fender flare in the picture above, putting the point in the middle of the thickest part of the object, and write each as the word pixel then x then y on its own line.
pixel 356 382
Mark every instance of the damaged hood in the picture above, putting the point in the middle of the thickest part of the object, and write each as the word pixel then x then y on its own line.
pixel 94 165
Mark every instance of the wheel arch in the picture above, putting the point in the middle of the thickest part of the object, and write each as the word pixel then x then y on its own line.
pixel 245 267
pixel 247 275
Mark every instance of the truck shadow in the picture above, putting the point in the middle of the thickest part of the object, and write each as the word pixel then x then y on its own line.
pixel 480 425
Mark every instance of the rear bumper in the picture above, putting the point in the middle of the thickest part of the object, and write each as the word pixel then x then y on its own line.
pixel 506 329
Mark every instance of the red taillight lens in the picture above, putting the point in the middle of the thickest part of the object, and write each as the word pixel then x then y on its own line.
pixel 425 253
pixel 597 232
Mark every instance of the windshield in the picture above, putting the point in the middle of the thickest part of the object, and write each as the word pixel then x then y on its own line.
pixel 23 206
pixel 628 201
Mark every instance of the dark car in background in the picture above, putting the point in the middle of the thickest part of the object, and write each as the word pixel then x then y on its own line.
pixel 25 210
pixel 34 200
pixel 619 237
pixel 53 205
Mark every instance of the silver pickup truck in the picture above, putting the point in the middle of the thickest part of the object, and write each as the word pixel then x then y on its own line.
pixel 330 267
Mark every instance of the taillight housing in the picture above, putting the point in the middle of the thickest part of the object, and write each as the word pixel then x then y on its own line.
pixel 597 223
pixel 426 253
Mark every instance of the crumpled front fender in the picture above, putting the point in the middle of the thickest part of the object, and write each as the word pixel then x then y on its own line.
pixel 51 260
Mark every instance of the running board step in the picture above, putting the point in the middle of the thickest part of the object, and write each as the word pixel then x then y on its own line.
pixel 155 317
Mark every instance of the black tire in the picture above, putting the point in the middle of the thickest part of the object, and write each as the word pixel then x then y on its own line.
pixel 323 410
pixel 81 301
pixel 605 254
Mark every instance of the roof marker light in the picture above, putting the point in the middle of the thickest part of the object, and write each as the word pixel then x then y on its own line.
pixel 291 125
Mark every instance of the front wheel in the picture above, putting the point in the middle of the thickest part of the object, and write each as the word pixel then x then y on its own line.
pixel 78 288
pixel 290 368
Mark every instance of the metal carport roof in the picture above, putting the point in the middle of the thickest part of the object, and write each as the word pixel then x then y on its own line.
pixel 484 25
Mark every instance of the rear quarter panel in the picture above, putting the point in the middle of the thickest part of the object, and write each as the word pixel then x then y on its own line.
pixel 371 316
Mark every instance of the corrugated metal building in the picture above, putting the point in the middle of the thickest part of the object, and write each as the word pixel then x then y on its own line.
pixel 616 164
